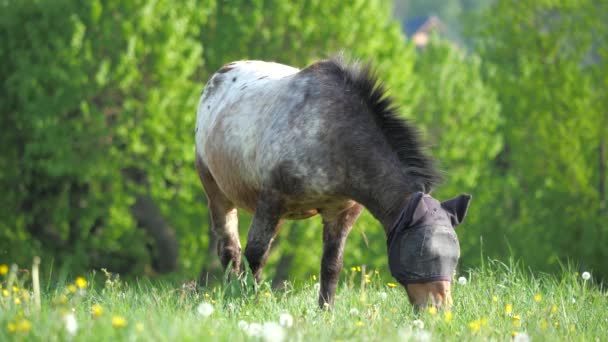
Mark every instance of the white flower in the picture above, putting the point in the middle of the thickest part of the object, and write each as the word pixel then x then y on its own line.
pixel 354 311
pixel 383 295
pixel 254 329
pixel 462 280
pixel 71 325
pixel 421 336
pixel 272 332
pixel 204 309
pixel 418 324
pixel 521 337
pixel 286 320
pixel 243 325
pixel 586 275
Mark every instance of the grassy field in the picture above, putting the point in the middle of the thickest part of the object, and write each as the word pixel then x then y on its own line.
pixel 498 302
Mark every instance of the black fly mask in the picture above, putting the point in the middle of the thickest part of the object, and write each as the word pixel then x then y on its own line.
pixel 422 245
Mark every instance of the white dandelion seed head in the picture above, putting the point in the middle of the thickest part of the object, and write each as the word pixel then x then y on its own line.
pixel 273 332
pixel 586 275
pixel 521 337
pixel 354 311
pixel 71 325
pixel 418 324
pixel 383 295
pixel 421 336
pixel 204 309
pixel 316 286
pixel 286 320
pixel 243 325
pixel 254 329
pixel 462 280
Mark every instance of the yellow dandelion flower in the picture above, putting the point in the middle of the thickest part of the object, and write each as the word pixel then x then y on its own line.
pixel 206 295
pixel 72 288
pixel 509 309
pixel 358 268
pixel 544 325
pixel 494 299
pixel 447 316
pixel 314 277
pixel 391 285
pixel 17 300
pixel 516 321
pixel 367 280
pixel 359 324
pixel 538 298
pixel 119 322
pixel 139 327
pixel 267 294
pixel 5 293
pixel 96 310
pixel 3 269
pixel 81 282
pixel 477 324
pixel 553 308
pixel 432 310
pixel 513 333
pixel 11 327
pixel 23 325
pixel 15 289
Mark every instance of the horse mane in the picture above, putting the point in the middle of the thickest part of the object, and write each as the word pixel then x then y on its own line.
pixel 404 139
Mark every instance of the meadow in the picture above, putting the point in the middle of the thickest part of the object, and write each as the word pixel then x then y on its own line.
pixel 495 302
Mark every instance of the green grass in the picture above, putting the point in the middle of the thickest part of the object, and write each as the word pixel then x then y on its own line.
pixel 568 308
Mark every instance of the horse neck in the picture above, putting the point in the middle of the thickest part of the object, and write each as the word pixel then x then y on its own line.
pixel 386 197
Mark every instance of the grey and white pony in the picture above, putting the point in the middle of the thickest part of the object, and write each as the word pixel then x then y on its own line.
pixel 284 143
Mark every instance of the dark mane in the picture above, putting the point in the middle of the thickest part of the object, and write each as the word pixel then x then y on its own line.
pixel 401 136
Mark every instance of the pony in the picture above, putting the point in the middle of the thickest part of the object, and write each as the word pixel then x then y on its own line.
pixel 287 144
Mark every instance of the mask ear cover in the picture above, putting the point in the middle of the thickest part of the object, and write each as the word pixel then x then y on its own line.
pixel 457 208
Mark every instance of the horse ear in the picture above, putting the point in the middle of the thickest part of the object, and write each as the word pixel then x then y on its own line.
pixel 416 208
pixel 457 208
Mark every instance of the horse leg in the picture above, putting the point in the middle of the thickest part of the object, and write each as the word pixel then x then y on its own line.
pixel 335 231
pixel 223 218
pixel 264 227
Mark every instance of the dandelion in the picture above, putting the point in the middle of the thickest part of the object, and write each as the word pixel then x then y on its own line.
pixel 17 301
pixel 316 286
pixel 272 332
pixel 242 325
pixel 204 309
pixel 516 321
pixel 586 275
pixel 553 308
pixel 391 285
pixel 383 295
pixel 359 324
pixel 5 293
pixel 521 337
pixel 139 327
pixel 495 299
pixel 267 294
pixel 544 325
pixel 3 269
pixel 15 289
pixel 509 309
pixel 358 268
pixel 119 322
pixel 72 288
pixel 81 282
pixel 538 298
pixel 376 272
pixel 476 325
pixel 286 320
pixel 354 311
pixel 419 324
pixel 462 280
pixel 447 316
pixel 254 329
pixel 71 325
pixel 96 310
pixel 314 277
pixel 432 310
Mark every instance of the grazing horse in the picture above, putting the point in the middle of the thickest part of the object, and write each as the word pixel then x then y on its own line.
pixel 284 143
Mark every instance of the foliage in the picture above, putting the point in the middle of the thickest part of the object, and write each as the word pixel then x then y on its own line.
pixel 496 302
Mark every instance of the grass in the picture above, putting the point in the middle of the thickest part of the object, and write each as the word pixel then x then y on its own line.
pixel 497 302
